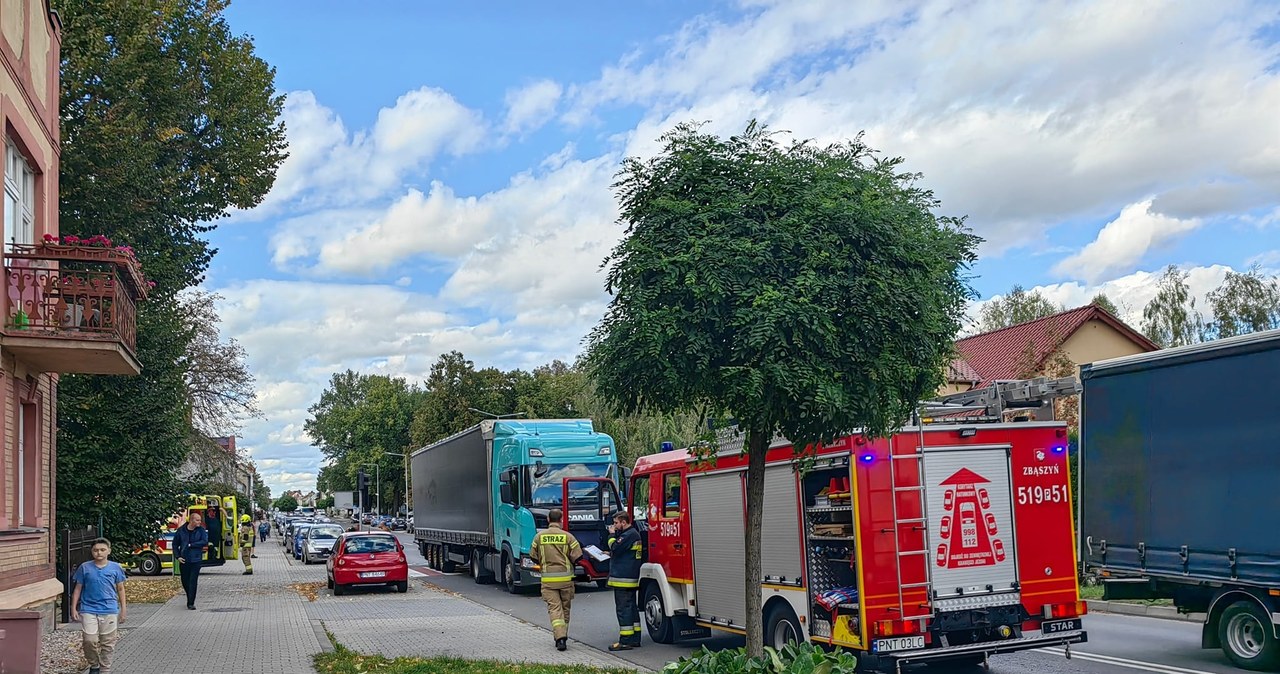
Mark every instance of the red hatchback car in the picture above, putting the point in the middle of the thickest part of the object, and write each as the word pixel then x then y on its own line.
pixel 367 558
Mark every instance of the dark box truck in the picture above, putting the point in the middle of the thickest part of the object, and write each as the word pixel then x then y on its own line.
pixel 1180 495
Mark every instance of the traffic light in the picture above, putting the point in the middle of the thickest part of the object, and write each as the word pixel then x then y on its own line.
pixel 362 482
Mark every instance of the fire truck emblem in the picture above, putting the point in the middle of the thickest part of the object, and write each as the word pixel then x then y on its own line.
pixel 968 531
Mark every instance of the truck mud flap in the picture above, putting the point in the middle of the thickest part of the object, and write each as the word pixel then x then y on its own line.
pixel 894 662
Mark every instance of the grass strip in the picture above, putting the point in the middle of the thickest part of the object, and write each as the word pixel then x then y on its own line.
pixel 346 661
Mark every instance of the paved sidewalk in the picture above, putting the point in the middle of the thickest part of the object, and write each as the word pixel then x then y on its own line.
pixel 242 625
pixel 257 624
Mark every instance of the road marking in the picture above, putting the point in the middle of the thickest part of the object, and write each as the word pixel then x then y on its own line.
pixel 1124 662
pixel 423 572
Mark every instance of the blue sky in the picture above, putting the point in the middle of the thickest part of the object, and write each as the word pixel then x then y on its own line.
pixel 448 180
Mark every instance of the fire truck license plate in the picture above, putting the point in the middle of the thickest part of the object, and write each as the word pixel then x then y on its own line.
pixel 897 644
pixel 1056 626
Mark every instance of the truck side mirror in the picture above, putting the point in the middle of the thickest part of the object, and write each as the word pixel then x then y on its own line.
pixel 540 469
pixel 504 492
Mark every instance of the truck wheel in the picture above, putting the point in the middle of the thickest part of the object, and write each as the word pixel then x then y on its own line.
pixel 781 626
pixel 510 573
pixel 656 619
pixel 477 568
pixel 1247 639
pixel 149 565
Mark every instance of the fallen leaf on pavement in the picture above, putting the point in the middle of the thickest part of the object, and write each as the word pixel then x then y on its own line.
pixel 308 590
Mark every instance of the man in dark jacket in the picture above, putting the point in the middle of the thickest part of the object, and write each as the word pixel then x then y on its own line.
pixel 189 542
pixel 625 554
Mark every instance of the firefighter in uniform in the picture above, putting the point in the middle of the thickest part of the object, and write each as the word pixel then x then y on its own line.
pixel 625 554
pixel 556 551
pixel 247 536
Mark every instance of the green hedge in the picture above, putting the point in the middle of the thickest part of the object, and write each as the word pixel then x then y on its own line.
pixel 790 659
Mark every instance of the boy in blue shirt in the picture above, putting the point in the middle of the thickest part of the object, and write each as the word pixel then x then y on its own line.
pixel 98 602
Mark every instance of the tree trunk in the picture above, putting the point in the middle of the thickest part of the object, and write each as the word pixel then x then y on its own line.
pixel 757 444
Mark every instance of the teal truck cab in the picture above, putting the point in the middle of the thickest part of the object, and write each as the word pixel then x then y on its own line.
pixel 482 494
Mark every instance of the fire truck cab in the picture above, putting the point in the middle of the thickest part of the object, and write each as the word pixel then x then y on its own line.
pixel 943 542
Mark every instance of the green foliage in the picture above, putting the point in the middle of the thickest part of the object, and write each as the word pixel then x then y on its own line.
pixel 358 419
pixel 1103 302
pixel 805 291
pixel 1245 303
pixel 167 122
pixel 326 502
pixel 1018 306
pixel 286 504
pixel 802 289
pixel 790 659
pixel 1170 318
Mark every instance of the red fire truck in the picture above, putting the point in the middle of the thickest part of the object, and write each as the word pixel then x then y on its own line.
pixel 947 541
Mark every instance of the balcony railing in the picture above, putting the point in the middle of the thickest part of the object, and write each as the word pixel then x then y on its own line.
pixel 64 312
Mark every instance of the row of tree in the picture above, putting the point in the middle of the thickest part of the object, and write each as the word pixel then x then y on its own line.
pixel 168 121
pixel 1245 302
pixel 373 422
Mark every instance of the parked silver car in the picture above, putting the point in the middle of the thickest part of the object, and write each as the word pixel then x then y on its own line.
pixel 319 541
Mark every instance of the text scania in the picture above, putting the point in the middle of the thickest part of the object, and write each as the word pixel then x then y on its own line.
pixel 1042 470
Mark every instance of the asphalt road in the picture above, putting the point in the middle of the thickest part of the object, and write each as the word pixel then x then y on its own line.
pixel 1117 644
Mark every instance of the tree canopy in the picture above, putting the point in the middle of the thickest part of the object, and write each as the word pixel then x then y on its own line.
pixel 1245 303
pixel 1170 318
pixel 1018 306
pixel 804 290
pixel 286 504
pixel 1103 302
pixel 168 120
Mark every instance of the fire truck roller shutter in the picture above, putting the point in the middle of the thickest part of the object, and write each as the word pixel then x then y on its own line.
pixel 780 533
pixel 716 509
pixel 970 487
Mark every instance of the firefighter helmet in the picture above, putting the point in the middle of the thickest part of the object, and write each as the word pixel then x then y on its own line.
pixel 245 519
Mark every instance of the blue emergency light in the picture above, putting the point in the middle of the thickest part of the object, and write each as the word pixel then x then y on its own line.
pixel 667 446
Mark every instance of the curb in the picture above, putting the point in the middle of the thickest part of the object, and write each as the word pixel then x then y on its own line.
pixel 1162 612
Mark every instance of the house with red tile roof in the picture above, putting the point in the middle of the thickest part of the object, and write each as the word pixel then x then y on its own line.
pixel 1082 335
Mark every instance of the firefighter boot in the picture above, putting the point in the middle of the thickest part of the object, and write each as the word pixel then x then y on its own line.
pixel 562 643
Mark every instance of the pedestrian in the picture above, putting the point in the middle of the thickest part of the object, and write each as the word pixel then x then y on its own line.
pixel 263 530
pixel 625 554
pixel 246 544
pixel 98 602
pixel 189 543
pixel 557 551
pixel 213 523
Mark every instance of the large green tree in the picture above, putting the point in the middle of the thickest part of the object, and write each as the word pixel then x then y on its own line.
pixel 1171 318
pixel 1244 303
pixel 1018 306
pixel 804 290
pixel 168 121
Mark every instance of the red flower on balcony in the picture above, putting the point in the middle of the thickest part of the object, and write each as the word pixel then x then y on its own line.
pixel 95 241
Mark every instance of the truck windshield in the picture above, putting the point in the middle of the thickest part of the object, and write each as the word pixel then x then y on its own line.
pixel 547 491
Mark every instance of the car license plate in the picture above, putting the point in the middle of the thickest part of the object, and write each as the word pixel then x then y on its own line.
pixel 897 644
pixel 1057 626
pixel 373 574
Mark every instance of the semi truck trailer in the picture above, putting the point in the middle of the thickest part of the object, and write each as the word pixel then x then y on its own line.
pixel 1181 486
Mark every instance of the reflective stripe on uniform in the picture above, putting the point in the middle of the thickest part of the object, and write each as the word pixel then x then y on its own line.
pixel 624 582
pixel 559 623
pixel 626 632
pixel 556 578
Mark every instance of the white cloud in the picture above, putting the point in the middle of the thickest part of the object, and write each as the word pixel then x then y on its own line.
pixel 329 166
pixel 1123 242
pixel 532 106
pixel 1130 293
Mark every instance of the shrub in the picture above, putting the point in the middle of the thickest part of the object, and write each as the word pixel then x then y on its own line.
pixel 790 659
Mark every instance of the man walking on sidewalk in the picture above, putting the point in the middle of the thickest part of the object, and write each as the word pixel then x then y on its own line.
pixel 98 602
pixel 625 554
pixel 189 542
pixel 557 551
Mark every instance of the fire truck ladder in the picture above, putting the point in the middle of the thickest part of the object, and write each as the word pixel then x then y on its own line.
pixel 1036 395
pixel 917 524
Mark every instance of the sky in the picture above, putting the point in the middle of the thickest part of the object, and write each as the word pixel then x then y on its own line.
pixel 449 170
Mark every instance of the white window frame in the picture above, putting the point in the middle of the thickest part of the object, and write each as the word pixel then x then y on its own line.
pixel 20 190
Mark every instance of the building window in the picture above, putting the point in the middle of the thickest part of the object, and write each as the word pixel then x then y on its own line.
pixel 31 477
pixel 19 198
